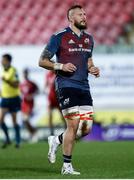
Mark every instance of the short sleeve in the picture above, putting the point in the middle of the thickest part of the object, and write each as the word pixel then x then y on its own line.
pixel 53 45
pixel 16 77
pixel 91 46
pixel 10 74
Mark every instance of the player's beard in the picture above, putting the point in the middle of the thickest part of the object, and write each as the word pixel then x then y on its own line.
pixel 80 26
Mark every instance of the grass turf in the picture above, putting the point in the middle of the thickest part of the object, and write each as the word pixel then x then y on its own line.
pixel 93 159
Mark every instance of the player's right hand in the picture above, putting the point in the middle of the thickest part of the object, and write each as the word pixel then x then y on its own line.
pixel 69 67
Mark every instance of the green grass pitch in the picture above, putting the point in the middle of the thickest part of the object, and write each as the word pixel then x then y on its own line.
pixel 93 159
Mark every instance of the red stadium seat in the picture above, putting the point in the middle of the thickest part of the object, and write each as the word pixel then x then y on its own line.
pixel 33 22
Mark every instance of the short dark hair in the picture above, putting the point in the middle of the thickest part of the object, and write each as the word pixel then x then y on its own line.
pixel 8 57
pixel 73 7
pixel 26 70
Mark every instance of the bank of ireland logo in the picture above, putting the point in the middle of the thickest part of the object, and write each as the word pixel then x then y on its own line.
pixel 86 41
pixel 66 101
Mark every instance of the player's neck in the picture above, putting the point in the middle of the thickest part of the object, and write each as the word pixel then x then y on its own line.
pixel 27 79
pixel 75 30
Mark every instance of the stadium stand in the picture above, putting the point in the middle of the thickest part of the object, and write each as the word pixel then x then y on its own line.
pixel 32 22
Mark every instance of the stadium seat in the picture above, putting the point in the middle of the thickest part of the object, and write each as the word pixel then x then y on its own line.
pixel 32 22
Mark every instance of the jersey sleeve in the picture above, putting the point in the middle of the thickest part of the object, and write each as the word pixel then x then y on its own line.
pixel 53 45
pixel 91 46
pixel 11 75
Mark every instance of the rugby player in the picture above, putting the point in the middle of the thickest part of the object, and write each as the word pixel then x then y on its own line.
pixel 73 48
pixel 28 91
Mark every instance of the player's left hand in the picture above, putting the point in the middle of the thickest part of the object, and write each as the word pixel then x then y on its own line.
pixel 94 71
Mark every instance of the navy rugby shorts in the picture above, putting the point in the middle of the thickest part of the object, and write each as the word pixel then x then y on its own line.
pixel 12 104
pixel 70 97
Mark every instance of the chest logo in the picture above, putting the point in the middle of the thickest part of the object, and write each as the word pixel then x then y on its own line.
pixel 71 41
pixel 86 41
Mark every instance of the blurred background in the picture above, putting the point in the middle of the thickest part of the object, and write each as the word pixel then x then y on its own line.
pixel 25 28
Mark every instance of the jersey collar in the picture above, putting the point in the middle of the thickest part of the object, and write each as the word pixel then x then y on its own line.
pixel 70 30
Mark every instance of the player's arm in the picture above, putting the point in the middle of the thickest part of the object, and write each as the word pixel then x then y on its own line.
pixel 46 62
pixel 11 83
pixel 8 78
pixel 92 69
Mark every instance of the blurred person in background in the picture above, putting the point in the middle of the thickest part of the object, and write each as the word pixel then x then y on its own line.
pixel 73 48
pixel 29 90
pixel 10 99
pixel 52 99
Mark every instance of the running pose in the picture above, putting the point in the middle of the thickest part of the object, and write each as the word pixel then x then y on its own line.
pixel 73 48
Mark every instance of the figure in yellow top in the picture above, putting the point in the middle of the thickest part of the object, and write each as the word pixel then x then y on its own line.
pixel 10 80
pixel 10 98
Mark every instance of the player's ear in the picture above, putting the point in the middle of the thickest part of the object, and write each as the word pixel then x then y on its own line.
pixel 70 18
